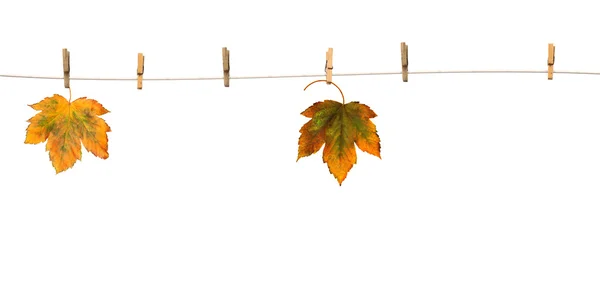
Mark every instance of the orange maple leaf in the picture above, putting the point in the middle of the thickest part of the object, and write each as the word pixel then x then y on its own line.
pixel 338 126
pixel 66 125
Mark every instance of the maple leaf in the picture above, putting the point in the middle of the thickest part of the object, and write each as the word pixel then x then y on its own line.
pixel 65 125
pixel 338 126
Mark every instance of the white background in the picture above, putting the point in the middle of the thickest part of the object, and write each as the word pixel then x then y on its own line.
pixel 483 177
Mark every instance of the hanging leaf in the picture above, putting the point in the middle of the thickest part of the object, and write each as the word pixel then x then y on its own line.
pixel 65 125
pixel 338 126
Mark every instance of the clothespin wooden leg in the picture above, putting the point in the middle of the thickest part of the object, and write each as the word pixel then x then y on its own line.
pixel 66 66
pixel 329 65
pixel 140 70
pixel 404 53
pixel 551 50
pixel 225 66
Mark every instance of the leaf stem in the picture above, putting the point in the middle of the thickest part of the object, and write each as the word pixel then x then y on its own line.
pixel 343 98
pixel 69 94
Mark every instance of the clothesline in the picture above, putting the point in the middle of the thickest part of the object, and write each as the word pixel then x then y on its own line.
pixel 298 75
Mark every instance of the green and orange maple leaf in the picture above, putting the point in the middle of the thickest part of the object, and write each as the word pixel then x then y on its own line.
pixel 65 125
pixel 338 126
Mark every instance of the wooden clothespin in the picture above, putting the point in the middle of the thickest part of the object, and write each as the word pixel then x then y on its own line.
pixel 66 66
pixel 225 66
pixel 140 70
pixel 404 53
pixel 329 65
pixel 551 50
